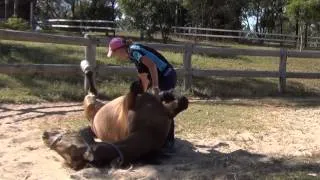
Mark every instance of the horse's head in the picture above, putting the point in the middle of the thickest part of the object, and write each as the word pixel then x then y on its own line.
pixel 69 145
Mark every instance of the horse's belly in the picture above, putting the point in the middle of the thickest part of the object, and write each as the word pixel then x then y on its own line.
pixel 106 124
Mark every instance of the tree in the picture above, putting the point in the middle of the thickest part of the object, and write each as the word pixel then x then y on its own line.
pixel 216 13
pixel 100 9
pixel 272 16
pixel 73 6
pixel 304 12
pixel 150 15
pixel 46 9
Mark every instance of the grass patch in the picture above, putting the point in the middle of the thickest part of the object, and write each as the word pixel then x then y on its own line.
pixel 38 88
pixel 204 120
pixel 35 89
pixel 252 87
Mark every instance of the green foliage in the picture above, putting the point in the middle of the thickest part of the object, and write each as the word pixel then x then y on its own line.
pixel 216 14
pixel 76 9
pixel 150 16
pixel 304 10
pixel 15 23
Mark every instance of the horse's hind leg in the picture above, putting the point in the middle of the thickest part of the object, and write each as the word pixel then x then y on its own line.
pixel 88 71
pixel 91 106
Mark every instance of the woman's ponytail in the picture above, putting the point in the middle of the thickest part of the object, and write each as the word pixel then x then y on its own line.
pixel 128 42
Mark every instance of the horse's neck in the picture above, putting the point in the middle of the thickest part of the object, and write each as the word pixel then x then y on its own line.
pixel 129 101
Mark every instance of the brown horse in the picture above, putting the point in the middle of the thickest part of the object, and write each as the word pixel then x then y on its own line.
pixel 129 127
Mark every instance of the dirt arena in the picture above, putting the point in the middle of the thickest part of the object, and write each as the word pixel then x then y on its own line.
pixel 292 145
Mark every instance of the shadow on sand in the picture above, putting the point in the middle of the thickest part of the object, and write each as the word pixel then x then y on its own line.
pixel 206 162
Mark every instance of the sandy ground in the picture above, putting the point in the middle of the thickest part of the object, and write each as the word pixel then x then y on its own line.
pixel 294 134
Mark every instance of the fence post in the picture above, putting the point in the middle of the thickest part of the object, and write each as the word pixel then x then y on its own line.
pixel 90 56
pixel 187 66
pixel 282 70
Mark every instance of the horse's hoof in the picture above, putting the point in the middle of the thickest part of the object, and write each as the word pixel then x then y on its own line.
pixel 183 103
pixel 85 66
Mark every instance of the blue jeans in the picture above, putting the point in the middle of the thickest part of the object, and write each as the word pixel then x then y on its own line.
pixel 168 80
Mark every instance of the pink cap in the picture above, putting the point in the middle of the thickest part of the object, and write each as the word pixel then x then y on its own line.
pixel 114 44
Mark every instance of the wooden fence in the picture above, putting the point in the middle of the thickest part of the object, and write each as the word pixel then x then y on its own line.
pixel 90 44
pixel 244 36
pixel 81 25
pixel 190 32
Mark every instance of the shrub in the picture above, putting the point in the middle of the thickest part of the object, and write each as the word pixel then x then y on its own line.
pixel 15 23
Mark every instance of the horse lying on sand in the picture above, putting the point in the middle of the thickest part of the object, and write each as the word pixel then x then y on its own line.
pixel 129 127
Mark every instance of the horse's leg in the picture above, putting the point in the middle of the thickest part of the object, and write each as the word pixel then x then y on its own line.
pixel 170 138
pixel 91 106
pixel 88 71
pixel 174 107
pixel 88 135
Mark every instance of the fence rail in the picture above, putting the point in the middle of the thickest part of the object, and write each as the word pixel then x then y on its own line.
pixel 187 72
pixel 242 35
pixel 43 38
pixel 81 25
pixel 194 32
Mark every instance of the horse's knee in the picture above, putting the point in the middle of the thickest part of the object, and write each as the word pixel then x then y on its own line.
pixel 91 106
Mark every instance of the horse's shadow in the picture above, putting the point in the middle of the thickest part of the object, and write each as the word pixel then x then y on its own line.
pixel 191 161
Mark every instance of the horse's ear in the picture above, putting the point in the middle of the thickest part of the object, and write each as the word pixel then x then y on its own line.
pixel 136 87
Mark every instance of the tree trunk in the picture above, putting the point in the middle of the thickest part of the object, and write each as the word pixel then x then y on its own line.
pixel 301 38
pixel 306 35
pixel 47 7
pixel 281 21
pixel 15 9
pixel 281 24
pixel 257 15
pixel 6 8
pixel 73 4
pixel 297 33
pixel 32 15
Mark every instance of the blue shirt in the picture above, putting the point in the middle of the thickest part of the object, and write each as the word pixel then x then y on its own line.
pixel 136 51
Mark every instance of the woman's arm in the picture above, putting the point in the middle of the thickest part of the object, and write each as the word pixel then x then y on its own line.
pixel 144 80
pixel 153 71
